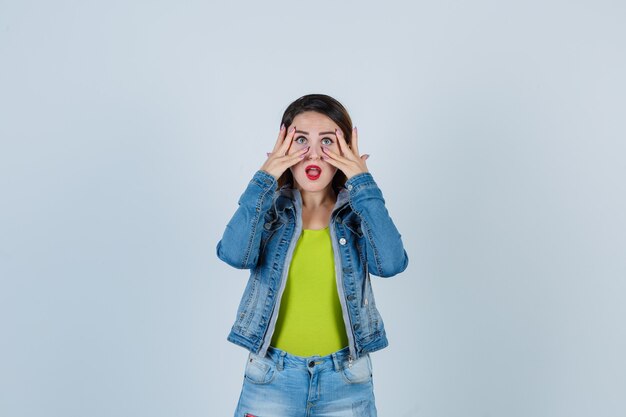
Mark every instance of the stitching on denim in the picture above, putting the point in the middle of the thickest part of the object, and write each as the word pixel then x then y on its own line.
pixel 374 249
pixel 252 299
pixel 363 185
pixel 351 312
pixel 360 381
pixel 372 322
pixel 255 225
pixel 274 373
pixel 276 224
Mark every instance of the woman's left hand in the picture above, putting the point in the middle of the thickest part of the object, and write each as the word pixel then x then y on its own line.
pixel 349 162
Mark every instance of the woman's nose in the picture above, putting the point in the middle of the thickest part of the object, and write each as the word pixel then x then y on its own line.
pixel 315 152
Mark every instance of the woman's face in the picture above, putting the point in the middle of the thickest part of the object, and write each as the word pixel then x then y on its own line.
pixel 313 129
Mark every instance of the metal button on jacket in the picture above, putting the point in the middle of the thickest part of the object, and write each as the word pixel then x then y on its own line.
pixel 342 241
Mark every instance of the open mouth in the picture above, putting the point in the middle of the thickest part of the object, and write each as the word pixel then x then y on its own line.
pixel 313 172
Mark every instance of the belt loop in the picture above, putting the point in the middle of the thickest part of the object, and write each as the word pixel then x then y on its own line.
pixel 336 362
pixel 281 361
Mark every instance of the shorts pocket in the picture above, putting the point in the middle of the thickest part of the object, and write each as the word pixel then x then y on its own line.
pixel 360 371
pixel 259 370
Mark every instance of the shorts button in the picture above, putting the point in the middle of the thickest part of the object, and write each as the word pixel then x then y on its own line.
pixel 342 241
pixel 311 364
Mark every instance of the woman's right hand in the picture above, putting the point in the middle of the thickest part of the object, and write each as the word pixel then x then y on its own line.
pixel 280 159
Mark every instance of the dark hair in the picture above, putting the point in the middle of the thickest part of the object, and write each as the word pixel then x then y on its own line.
pixel 328 106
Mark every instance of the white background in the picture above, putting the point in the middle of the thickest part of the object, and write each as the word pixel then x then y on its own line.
pixel 128 130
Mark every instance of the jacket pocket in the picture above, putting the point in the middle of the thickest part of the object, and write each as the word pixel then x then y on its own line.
pixel 271 224
pixel 354 227
pixel 369 309
pixel 248 302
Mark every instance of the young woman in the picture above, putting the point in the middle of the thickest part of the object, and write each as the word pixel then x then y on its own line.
pixel 312 226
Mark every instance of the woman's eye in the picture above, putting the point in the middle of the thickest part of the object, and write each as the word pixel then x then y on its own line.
pixel 327 141
pixel 300 139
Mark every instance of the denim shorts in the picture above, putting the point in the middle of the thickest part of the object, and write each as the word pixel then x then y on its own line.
pixel 284 385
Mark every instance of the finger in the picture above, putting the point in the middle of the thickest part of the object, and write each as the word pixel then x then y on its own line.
pixel 333 161
pixel 343 146
pixel 285 161
pixel 295 147
pixel 296 153
pixel 281 137
pixel 355 141
pixel 281 163
pixel 299 154
pixel 338 134
pixel 295 157
pixel 334 158
pixel 284 148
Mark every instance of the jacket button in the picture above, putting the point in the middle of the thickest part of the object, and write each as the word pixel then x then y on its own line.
pixel 349 187
pixel 267 226
pixel 342 241
pixel 356 326
pixel 351 297
pixel 311 364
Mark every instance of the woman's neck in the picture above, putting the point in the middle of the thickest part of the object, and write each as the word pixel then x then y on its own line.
pixel 312 200
pixel 317 207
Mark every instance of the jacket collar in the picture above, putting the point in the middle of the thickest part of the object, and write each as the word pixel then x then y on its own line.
pixel 293 198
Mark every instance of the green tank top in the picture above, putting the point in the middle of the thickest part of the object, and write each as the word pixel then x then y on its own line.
pixel 310 321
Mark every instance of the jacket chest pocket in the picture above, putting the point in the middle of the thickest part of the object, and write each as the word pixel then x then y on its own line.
pixel 271 224
pixel 355 233
pixel 354 226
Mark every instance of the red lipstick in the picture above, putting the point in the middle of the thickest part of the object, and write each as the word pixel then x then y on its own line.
pixel 313 172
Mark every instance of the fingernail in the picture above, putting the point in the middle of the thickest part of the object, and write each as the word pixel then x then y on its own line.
pixel 367 156
pixel 339 132
pixel 355 128
pixel 267 153
pixel 282 127
pixel 292 128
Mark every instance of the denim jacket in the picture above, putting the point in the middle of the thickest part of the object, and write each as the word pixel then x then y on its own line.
pixel 262 235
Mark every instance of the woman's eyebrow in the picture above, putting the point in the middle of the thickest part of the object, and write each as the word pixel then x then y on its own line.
pixel 321 133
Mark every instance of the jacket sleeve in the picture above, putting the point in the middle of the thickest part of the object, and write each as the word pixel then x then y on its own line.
pixel 239 246
pixel 386 256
